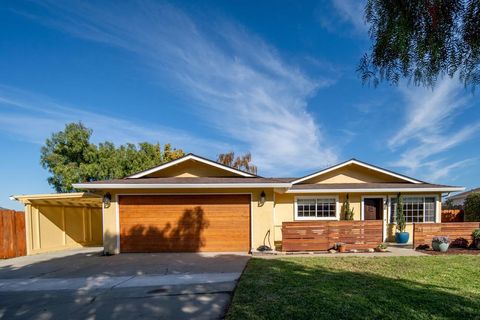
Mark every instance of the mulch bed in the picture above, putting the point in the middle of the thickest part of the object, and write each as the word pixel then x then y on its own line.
pixel 452 251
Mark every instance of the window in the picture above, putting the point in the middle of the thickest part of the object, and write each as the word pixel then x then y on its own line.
pixel 316 208
pixel 416 209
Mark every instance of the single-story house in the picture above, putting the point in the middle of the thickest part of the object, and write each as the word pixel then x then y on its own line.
pixel 195 204
pixel 459 198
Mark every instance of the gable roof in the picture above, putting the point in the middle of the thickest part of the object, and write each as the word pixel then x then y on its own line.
pixel 188 157
pixel 359 163
pixel 188 182
pixel 463 194
pixel 244 179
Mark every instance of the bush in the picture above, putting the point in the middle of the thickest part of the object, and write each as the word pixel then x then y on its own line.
pixel 471 207
pixel 476 234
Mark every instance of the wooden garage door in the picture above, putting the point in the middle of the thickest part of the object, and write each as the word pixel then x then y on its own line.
pixel 184 223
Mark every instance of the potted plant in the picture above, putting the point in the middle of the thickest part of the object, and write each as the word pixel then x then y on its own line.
pixel 342 247
pixel 440 243
pixel 401 236
pixel 382 247
pixel 476 238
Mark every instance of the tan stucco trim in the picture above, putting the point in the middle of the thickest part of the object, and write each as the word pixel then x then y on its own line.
pixel 68 199
pixel 361 164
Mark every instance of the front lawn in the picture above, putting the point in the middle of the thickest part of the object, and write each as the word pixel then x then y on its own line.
pixel 433 287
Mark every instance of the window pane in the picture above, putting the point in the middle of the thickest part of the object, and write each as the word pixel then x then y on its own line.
pixel 429 209
pixel 306 207
pixel 416 209
pixel 393 209
pixel 326 208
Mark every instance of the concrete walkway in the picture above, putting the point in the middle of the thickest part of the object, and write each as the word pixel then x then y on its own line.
pixel 393 251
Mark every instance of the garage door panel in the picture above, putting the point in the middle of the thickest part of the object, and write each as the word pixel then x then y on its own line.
pixel 177 223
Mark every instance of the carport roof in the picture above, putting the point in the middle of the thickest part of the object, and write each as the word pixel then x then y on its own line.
pixel 66 199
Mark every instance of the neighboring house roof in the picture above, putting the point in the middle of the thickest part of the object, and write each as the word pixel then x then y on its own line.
pixel 359 163
pixel 144 180
pixel 369 187
pixel 463 195
pixel 188 157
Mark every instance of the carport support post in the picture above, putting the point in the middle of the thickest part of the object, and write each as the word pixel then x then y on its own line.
pixel 28 227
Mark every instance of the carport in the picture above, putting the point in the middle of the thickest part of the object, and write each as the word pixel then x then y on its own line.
pixel 62 221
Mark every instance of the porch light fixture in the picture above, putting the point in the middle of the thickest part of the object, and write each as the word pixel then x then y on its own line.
pixel 263 196
pixel 107 199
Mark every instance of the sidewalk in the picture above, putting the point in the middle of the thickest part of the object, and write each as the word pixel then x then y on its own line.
pixel 105 282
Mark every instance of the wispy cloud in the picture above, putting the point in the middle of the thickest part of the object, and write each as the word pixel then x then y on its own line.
pixel 349 12
pixel 32 117
pixel 237 83
pixel 438 170
pixel 429 128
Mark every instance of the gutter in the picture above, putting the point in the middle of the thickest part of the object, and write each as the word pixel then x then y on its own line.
pixel 445 189
pixel 93 186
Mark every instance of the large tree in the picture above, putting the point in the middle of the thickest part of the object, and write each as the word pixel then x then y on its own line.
pixel 422 40
pixel 243 162
pixel 70 157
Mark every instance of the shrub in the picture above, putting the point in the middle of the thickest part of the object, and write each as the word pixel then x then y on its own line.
pixel 400 216
pixel 347 210
pixel 382 246
pixel 476 234
pixel 441 239
pixel 471 207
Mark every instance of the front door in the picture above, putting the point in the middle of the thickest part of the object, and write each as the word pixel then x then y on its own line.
pixel 373 209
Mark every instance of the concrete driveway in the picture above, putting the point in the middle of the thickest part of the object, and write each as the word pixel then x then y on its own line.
pixel 83 284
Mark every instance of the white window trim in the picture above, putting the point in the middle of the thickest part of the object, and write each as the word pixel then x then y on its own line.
pixel 337 208
pixel 389 221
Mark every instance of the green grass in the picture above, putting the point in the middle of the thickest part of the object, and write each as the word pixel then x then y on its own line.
pixel 434 287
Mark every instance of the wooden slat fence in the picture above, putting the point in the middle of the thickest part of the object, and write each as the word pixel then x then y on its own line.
pixel 12 234
pixel 452 215
pixel 322 235
pixel 460 233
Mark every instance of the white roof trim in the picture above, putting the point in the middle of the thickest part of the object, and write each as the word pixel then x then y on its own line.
pixel 177 185
pixel 365 190
pixel 353 161
pixel 186 158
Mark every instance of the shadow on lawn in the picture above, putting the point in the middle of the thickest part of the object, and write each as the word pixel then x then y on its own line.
pixel 284 289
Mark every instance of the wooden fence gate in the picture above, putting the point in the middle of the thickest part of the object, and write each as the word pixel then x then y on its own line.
pixel 12 234
pixel 322 235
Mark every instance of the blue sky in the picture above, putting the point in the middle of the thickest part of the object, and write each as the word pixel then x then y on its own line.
pixel 276 78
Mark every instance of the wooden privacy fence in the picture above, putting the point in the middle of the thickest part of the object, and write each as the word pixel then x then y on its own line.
pixel 12 234
pixel 452 215
pixel 460 233
pixel 322 235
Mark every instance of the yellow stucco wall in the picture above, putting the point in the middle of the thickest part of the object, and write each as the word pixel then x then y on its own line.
pixel 353 174
pixel 262 216
pixel 192 168
pixel 285 211
pixel 51 228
